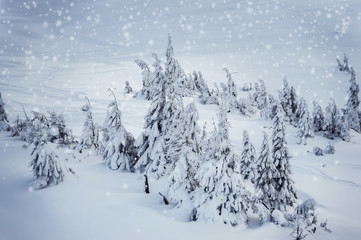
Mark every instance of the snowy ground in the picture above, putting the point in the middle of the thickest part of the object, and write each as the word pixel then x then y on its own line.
pixel 54 54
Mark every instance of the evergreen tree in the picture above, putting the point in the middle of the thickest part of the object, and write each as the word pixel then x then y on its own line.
pixel 352 107
pixel 206 95
pixel 119 151
pixel 182 179
pixel 231 93
pixel 46 166
pixel 150 143
pixel 147 75
pixel 248 158
pixel 90 134
pixel 305 123
pixel 37 129
pixel 58 132
pixel 286 193
pixel 4 122
pixel 343 127
pixel 111 123
pixel 221 196
pixel 261 97
pixel 331 120
pixel 127 89
pixel 266 175
pixel 288 100
pixel 318 117
pixel 269 112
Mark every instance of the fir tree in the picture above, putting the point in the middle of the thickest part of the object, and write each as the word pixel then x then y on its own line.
pixel 318 118
pixel 37 129
pixel 343 127
pixel 288 100
pixel 4 122
pixel 182 179
pixel 207 97
pixel 111 123
pixel 286 193
pixel 47 169
pixel 119 151
pixel 352 107
pixel 58 132
pixel 248 158
pixel 331 120
pixel 260 95
pixel 266 175
pixel 305 123
pixel 221 196
pixel 147 75
pixel 150 143
pixel 90 134
pixel 231 92
pixel 127 89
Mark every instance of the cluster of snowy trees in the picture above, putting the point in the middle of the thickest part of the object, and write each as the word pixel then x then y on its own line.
pixel 204 172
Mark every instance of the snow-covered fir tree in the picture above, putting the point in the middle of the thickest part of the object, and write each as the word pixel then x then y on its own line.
pixel 288 100
pixel 230 101
pixel 332 121
pixel 19 128
pixel 206 96
pixel 260 95
pixel 318 117
pixel 352 107
pixel 47 168
pixel 147 75
pixel 182 179
pixel 266 175
pixel 305 122
pixel 270 110
pixel 111 123
pixel 150 143
pixel 343 127
pixel 37 129
pixel 90 134
pixel 128 89
pixel 119 151
pixel 221 196
pixel 58 132
pixel 4 122
pixel 285 191
pixel 248 157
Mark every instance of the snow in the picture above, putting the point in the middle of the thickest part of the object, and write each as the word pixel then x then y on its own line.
pixel 54 53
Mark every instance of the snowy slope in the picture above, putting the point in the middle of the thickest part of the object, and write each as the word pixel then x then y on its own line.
pixel 55 53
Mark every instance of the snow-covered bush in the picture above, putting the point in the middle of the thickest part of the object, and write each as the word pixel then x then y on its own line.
pixel 317 151
pixel 330 148
pixel 19 128
pixel 4 122
pixel 46 165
